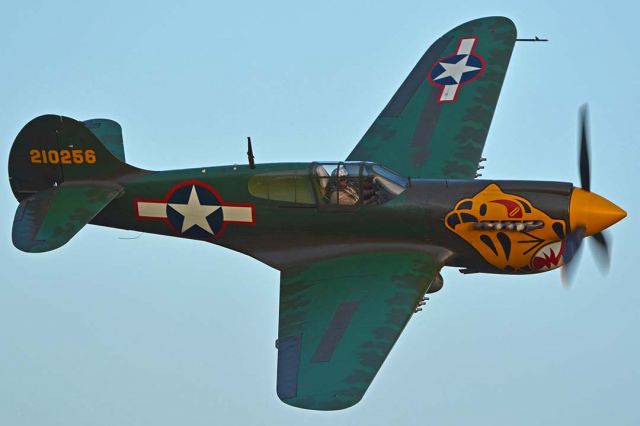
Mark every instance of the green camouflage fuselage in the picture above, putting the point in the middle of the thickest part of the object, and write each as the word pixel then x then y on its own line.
pixel 290 233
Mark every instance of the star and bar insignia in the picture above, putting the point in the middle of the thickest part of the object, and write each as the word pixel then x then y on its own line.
pixel 455 70
pixel 194 209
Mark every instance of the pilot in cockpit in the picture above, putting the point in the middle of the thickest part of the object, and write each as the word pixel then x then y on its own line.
pixel 342 191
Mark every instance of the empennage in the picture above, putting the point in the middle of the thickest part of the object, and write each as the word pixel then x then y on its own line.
pixel 63 176
pixel 109 133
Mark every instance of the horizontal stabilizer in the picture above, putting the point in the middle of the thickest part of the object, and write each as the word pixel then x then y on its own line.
pixel 50 218
pixel 109 133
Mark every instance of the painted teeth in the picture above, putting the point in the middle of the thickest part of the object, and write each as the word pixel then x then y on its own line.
pixel 510 225
pixel 548 257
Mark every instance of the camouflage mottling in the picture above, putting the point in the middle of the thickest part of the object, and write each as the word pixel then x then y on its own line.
pixel 309 297
pixel 429 139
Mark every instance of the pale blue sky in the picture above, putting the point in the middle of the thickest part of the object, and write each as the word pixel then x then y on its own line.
pixel 164 331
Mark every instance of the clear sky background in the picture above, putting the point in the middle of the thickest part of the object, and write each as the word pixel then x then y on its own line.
pixel 163 331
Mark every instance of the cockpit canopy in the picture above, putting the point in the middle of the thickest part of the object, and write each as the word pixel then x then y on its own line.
pixel 355 183
pixel 327 184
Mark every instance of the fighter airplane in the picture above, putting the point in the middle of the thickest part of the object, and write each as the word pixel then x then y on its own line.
pixel 359 242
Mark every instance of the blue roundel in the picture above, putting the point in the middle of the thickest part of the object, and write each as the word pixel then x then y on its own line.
pixel 457 69
pixel 191 214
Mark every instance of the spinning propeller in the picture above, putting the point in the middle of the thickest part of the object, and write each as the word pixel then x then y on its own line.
pixel 589 214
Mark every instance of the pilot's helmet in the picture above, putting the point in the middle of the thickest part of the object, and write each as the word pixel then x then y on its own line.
pixel 340 171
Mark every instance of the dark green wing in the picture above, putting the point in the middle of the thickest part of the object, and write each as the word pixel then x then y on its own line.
pixel 50 218
pixel 436 124
pixel 339 319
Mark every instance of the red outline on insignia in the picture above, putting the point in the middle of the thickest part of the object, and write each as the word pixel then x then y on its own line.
pixel 209 188
pixel 471 52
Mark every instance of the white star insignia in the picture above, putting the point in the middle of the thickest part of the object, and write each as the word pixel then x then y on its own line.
pixel 195 214
pixel 456 70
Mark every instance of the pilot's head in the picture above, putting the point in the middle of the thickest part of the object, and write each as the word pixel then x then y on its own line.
pixel 340 174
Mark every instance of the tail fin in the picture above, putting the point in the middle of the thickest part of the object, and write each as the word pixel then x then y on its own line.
pixel 63 176
pixel 52 149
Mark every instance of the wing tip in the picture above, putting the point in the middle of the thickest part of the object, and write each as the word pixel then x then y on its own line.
pixel 322 402
pixel 494 22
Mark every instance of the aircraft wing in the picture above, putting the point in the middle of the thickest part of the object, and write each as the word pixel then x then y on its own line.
pixel 339 318
pixel 436 124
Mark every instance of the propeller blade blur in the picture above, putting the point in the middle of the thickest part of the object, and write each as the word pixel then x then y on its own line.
pixel 585 169
pixel 600 245
pixel 570 255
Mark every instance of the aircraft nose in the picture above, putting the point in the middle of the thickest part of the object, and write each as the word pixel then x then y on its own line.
pixel 593 212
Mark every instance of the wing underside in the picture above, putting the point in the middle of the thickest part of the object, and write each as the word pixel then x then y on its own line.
pixel 339 319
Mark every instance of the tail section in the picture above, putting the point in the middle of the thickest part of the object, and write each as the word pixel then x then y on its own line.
pixel 48 219
pixel 63 176
pixel 52 149
pixel 109 133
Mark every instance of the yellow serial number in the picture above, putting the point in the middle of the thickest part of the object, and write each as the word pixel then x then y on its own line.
pixel 63 156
